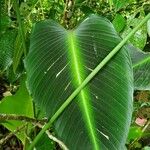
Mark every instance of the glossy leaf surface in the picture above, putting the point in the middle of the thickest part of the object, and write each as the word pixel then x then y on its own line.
pixel 58 62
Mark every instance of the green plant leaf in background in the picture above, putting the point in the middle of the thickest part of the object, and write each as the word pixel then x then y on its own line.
pixel 134 133
pixel 5 21
pixel 141 68
pixel 140 37
pixel 59 60
pixel 20 45
pixel 86 10
pixel 118 4
pixel 18 52
pixel 4 24
pixel 119 22
pixel 19 104
pixel 6 49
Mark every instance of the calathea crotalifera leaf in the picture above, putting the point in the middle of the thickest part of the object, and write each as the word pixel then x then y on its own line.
pixel 141 68
pixel 58 62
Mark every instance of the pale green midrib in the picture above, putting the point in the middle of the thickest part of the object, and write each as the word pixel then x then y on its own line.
pixel 88 116
pixel 141 62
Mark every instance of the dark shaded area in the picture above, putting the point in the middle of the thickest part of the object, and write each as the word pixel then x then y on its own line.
pixel 12 144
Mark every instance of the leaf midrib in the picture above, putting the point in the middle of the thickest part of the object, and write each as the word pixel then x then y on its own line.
pixel 87 115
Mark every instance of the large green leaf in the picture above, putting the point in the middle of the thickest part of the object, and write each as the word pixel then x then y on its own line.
pixel 141 68
pixel 59 60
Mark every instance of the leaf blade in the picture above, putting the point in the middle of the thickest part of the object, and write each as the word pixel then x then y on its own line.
pixel 64 81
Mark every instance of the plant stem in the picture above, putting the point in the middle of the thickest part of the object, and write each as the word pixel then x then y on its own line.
pixel 86 81
pixel 6 117
pixel 21 27
pixel 4 140
pixel 60 143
